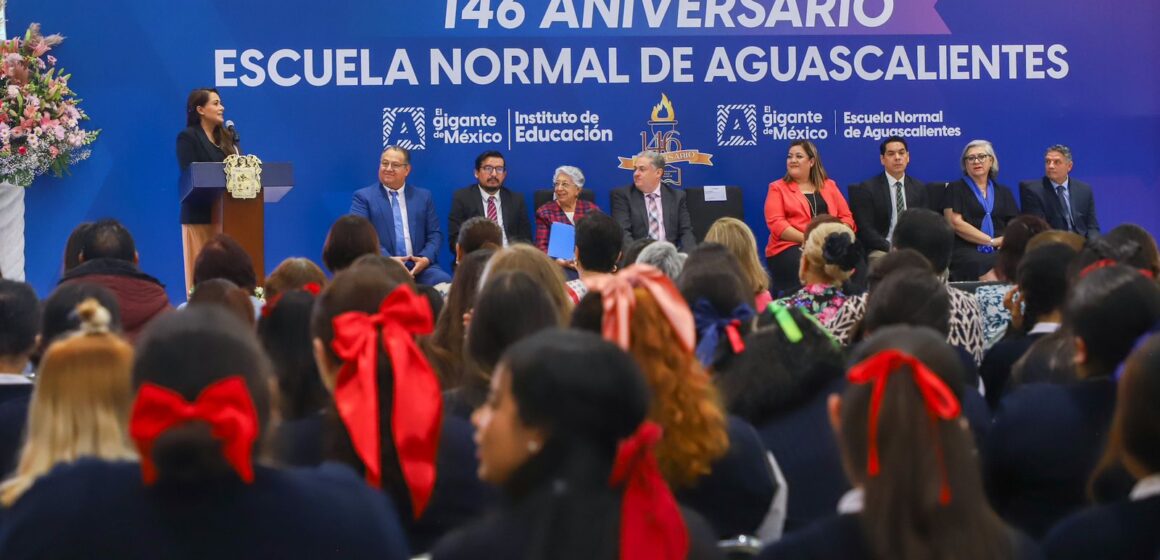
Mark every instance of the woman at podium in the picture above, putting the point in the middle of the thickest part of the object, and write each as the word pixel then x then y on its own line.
pixel 205 139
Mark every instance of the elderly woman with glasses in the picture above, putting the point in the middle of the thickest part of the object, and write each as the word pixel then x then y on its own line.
pixel 567 207
pixel 978 208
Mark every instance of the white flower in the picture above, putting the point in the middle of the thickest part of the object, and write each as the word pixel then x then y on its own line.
pixel 13 91
pixel 33 140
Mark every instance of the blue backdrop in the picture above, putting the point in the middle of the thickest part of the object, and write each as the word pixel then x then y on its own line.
pixel 325 87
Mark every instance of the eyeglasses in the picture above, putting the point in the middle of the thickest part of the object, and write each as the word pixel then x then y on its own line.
pixel 489 170
pixel 563 184
pixel 393 165
pixel 977 158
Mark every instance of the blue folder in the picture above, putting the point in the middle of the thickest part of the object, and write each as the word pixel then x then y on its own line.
pixel 562 241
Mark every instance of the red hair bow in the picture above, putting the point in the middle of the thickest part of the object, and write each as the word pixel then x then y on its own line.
pixel 417 410
pixel 651 526
pixel 939 399
pixel 225 405
pixel 310 287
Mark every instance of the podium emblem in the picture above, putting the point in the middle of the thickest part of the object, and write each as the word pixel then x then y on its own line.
pixel 243 175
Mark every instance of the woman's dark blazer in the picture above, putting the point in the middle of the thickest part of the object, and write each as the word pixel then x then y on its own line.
pixel 194 147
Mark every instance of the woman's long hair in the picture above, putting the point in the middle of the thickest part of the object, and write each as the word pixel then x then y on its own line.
pixel 444 347
pixel 284 330
pixel 902 515
pixel 80 407
pixel 739 239
pixel 587 395
pixel 685 402
pixel 361 288
pixel 222 137
pixel 1134 440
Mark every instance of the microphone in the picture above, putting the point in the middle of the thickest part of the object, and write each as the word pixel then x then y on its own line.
pixel 229 126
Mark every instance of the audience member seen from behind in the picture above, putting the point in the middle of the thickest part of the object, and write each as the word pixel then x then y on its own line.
pixel 222 292
pixel 663 256
pixel 477 233
pixel 19 323
pixel 396 436
pixel 996 317
pixel 804 193
pixel 737 236
pixel 599 240
pixel 224 258
pixel 350 237
pixel 917 490
pixel 715 463
pixel 109 259
pixel 566 208
pixel 564 434
pixel 80 407
pixel 1125 529
pixel 978 208
pixel 780 384
pixel 714 287
pixel 444 347
pixel 1046 438
pixel 527 259
pixel 511 305
pixel 292 274
pixel 201 410
pixel 931 235
pixel 1036 305
pixel 829 256
pixel 284 331
pixel 72 247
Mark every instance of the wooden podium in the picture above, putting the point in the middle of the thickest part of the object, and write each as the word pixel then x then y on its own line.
pixel 242 219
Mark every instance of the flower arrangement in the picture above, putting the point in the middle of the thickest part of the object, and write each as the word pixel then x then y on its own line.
pixel 39 115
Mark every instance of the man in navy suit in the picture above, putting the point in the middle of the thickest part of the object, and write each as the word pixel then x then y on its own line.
pixel 877 202
pixel 404 217
pixel 1065 203
pixel 649 208
pixel 488 197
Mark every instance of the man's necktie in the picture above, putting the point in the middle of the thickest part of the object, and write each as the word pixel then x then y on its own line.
pixel 397 213
pixel 491 213
pixel 654 217
pixel 899 199
pixel 1063 203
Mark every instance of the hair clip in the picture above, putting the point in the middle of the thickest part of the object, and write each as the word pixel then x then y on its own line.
pixel 784 320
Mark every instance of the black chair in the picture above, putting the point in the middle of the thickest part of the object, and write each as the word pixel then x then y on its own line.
pixel 703 213
pixel 936 195
pixel 542 196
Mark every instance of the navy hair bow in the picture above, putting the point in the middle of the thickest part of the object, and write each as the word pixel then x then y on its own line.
pixel 710 325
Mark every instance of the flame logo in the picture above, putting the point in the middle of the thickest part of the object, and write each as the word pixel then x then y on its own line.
pixel 663 111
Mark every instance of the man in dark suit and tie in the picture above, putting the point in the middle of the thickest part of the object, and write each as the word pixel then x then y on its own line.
pixel 489 198
pixel 877 202
pixel 1065 203
pixel 648 208
pixel 404 217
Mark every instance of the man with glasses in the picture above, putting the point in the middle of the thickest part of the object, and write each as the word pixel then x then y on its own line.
pixel 490 199
pixel 404 217
pixel 648 208
pixel 1066 204
pixel 879 201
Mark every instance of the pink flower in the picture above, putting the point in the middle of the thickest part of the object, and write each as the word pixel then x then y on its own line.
pixel 52 151
pixel 40 48
pixel 22 150
pixel 51 60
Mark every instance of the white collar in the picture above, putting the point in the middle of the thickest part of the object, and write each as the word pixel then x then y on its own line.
pixel 1147 487
pixel 1064 184
pixel 890 180
pixel 14 379
pixel 851 501
pixel 389 190
pixel 486 194
pixel 1044 327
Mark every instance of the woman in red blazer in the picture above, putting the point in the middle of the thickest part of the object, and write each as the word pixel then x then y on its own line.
pixel 804 193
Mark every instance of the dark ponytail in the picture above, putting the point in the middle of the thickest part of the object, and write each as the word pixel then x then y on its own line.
pixel 186 352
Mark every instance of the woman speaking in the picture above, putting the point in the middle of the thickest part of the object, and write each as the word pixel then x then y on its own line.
pixel 205 139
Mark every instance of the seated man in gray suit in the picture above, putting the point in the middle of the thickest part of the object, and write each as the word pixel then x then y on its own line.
pixel 648 208
pixel 1065 203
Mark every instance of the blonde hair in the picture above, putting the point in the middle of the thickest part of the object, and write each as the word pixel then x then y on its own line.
pixel 532 261
pixel 814 246
pixel 684 400
pixel 80 406
pixel 739 239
